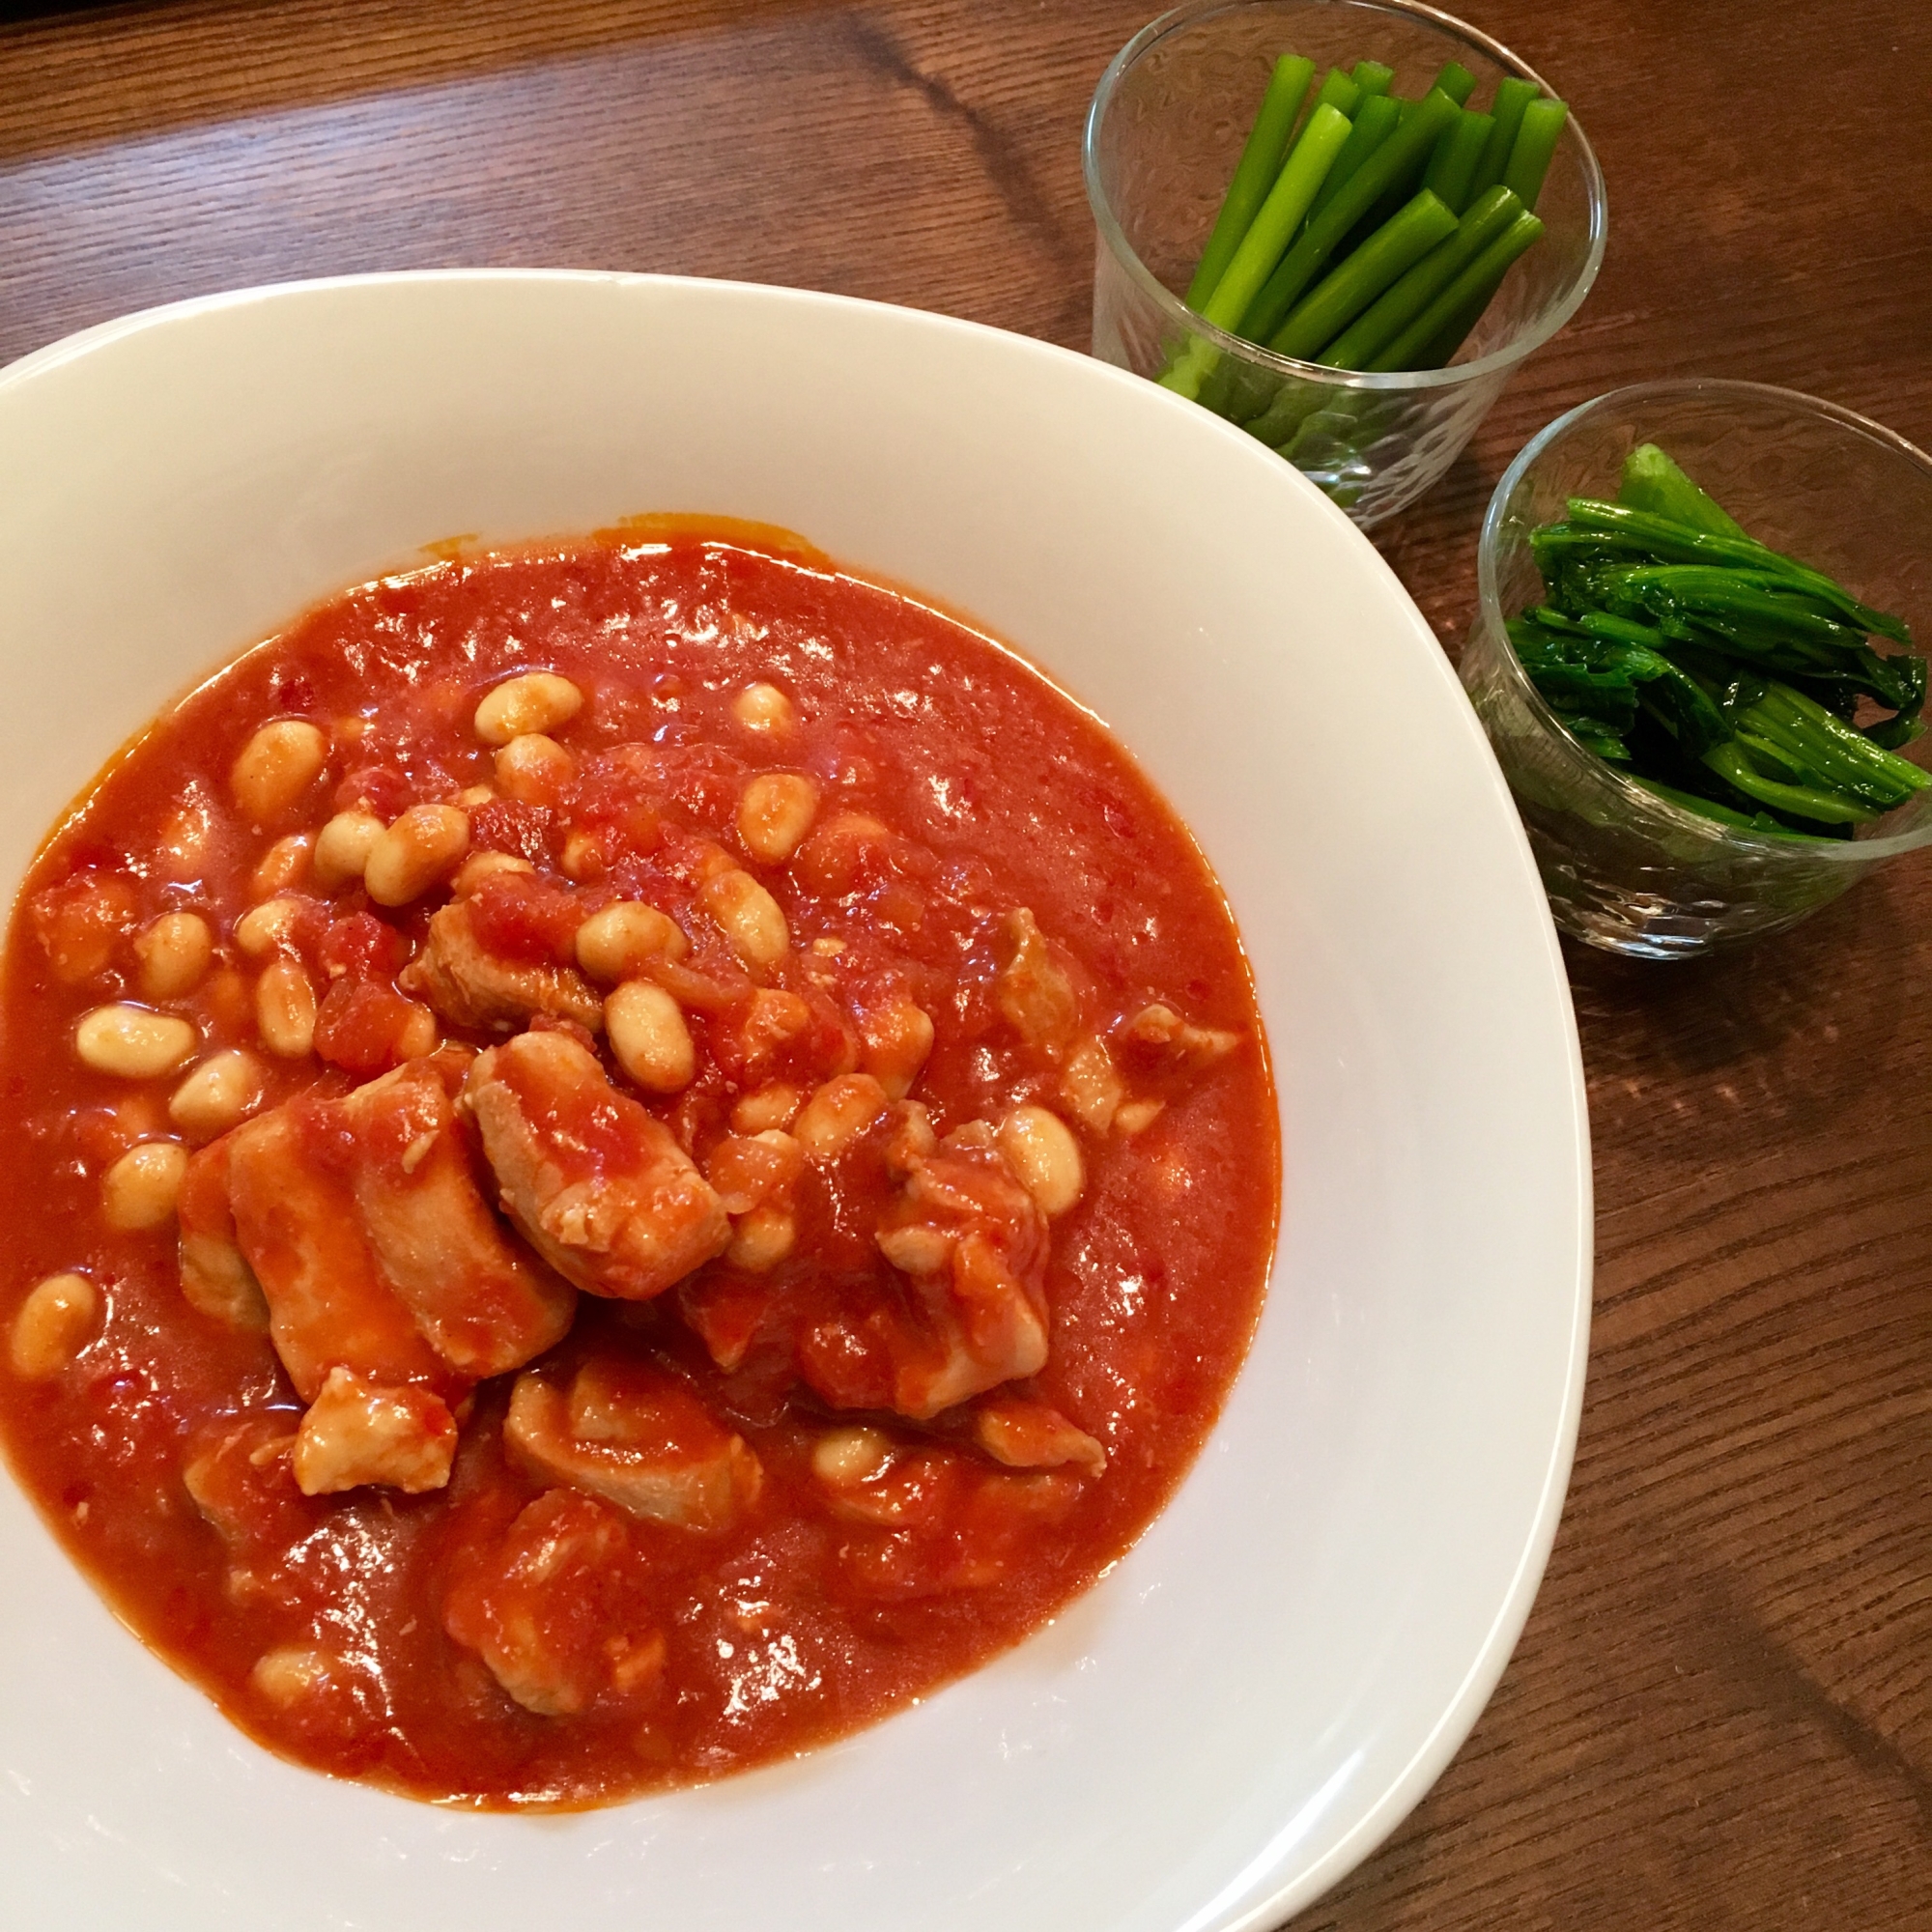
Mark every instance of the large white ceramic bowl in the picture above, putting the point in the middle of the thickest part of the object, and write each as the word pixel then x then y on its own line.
pixel 1271 1678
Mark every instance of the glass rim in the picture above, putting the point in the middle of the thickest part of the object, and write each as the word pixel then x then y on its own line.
pixel 1639 799
pixel 1499 362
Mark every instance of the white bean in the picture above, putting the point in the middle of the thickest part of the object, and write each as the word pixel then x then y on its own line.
pixel 267 927
pixel 283 866
pixel 418 1035
pixel 343 845
pixel 897 1038
pixel 138 1191
pixel 415 853
pixel 479 865
pixel 751 919
pixel 53 1325
pixel 765 709
pixel 768 1107
pixel 534 769
pixel 1040 1149
pixel 539 700
pixel 288 1676
pixel 837 1113
pixel 285 1010
pixel 617 942
pixel 762 1238
pixel 132 1043
pixel 276 767
pixel 774 813
pixel 650 1037
pixel 224 1090
pixel 583 858
pixel 844 1456
pixel 173 953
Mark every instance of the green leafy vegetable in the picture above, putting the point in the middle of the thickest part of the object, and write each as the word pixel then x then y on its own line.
pixel 1721 674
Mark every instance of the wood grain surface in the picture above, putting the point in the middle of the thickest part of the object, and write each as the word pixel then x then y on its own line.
pixel 1721 1713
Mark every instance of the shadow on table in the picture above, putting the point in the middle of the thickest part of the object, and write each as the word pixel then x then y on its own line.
pixel 1801 1025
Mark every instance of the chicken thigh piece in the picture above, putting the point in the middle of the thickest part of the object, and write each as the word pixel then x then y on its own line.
pixel 969 1236
pixel 296 1224
pixel 596 1184
pixel 558 1606
pixel 472 986
pixel 216 1278
pixel 362 1220
pixel 484 1303
pixel 638 1437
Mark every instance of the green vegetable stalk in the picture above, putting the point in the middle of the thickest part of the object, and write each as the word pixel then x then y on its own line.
pixel 1535 144
pixel 1452 167
pixel 1253 174
pixel 1513 96
pixel 1372 330
pixel 1361 231
pixel 1485 271
pixel 1393 160
pixel 1374 121
pixel 1348 289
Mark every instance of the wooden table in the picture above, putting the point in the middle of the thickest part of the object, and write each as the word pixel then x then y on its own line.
pixel 1721 1713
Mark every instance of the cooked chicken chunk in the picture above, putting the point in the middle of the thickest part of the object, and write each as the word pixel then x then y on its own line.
pixel 1030 1435
pixel 475 988
pixel 363 1221
pixel 216 1278
pixel 974 1243
pixel 638 1437
pixel 297 1226
pixel 358 1431
pixel 1034 992
pixel 1160 1030
pixel 537 1604
pixel 485 1305
pixel 1092 1088
pixel 596 1184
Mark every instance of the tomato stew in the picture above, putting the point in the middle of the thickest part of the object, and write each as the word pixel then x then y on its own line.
pixel 619 1157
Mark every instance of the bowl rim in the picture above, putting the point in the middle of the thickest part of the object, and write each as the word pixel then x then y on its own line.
pixel 1293 1886
pixel 1646 807
pixel 1497 364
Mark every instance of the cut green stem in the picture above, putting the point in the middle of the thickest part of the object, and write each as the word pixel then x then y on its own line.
pixel 1377 325
pixel 1733 765
pixel 1337 91
pixel 1374 121
pixel 1348 288
pixel 1513 96
pixel 1709 807
pixel 1535 143
pixel 1455 81
pixel 1397 160
pixel 1654 483
pixel 1255 173
pixel 1480 278
pixel 1279 215
pixel 1372 77
pixel 1452 167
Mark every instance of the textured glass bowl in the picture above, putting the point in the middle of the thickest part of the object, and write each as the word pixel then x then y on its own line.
pixel 1163 135
pixel 1626 871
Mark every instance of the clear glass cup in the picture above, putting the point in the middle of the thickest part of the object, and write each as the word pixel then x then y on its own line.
pixel 1627 871
pixel 1163 135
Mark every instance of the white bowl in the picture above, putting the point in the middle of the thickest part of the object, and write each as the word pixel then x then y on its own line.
pixel 1268 1681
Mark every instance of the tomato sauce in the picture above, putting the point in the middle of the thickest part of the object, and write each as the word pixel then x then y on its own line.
pixel 746 1203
